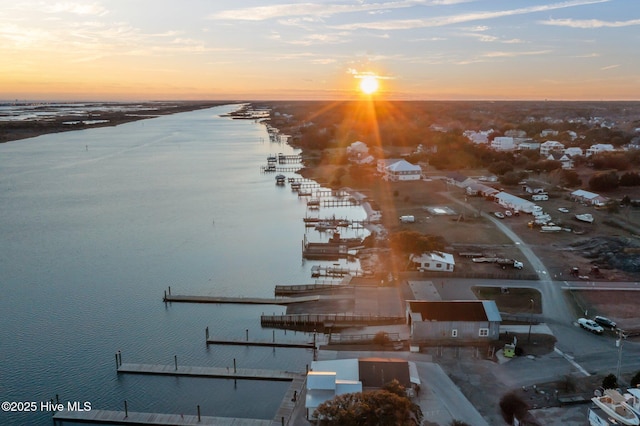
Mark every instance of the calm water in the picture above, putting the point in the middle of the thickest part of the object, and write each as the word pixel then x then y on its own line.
pixel 96 224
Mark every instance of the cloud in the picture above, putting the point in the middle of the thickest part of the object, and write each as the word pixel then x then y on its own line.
pixel 404 24
pixel 590 23
pixel 610 67
pixel 502 54
pixel 77 8
pixel 261 13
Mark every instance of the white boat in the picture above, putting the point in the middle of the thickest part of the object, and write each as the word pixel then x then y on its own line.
pixel 585 217
pixel 614 405
pixel 632 399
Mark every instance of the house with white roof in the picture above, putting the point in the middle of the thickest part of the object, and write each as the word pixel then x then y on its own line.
pixel 481 137
pixel 599 148
pixel 509 201
pixel 588 197
pixel 573 151
pixel 503 143
pixel 330 378
pixel 399 170
pixel 549 146
pixel 528 145
pixel 435 261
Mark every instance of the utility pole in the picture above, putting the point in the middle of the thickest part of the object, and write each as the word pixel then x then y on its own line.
pixel 619 342
pixel 530 320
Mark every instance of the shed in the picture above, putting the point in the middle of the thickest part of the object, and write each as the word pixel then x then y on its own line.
pixel 589 197
pixel 453 321
pixel 509 201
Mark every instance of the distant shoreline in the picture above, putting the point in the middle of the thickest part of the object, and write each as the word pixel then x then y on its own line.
pixel 95 117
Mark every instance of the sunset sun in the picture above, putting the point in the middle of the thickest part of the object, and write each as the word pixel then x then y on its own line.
pixel 369 84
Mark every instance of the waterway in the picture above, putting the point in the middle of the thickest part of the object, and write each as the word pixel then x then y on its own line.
pixel 96 224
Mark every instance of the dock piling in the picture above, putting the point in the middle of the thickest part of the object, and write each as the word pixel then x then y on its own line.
pixel 175 360
pixel 126 409
pixel 246 331
pixel 207 333
pixel 198 412
pixel 234 366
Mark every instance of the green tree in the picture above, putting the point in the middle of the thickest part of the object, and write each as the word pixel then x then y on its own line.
pixel 630 179
pixel 635 380
pixel 371 408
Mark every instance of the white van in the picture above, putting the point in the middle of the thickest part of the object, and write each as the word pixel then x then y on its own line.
pixel 407 219
pixel 540 197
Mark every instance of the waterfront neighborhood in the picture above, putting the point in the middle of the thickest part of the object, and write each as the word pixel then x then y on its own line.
pixel 467 278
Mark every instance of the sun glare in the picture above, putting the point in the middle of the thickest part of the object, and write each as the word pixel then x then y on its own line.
pixel 369 84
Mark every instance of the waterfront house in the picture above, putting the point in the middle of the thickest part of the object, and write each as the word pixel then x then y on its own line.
pixel 452 322
pixel 563 158
pixel 435 261
pixel 330 378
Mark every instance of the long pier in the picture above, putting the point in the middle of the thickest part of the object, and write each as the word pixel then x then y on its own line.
pixel 137 418
pixel 265 343
pixel 210 372
pixel 321 321
pixel 168 297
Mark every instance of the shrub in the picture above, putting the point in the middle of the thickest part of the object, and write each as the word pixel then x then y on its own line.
pixel 610 382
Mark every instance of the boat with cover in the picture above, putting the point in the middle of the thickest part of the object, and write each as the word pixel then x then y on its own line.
pixel 613 404
pixel 585 217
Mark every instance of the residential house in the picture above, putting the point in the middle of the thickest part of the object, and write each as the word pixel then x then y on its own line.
pixel 397 169
pixel 330 378
pixel 435 261
pixel 529 145
pixel 587 197
pixel 458 179
pixel 481 137
pixel 550 146
pixel 599 148
pixel 565 159
pixel 503 143
pixel 452 322
pixel 548 132
pixel 574 151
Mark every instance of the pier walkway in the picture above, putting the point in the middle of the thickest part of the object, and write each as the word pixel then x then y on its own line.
pixel 267 343
pixel 134 418
pixel 238 300
pixel 210 372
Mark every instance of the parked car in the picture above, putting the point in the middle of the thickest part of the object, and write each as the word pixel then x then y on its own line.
pixel 508 213
pixel 605 322
pixel 499 215
pixel 590 325
pixel 563 209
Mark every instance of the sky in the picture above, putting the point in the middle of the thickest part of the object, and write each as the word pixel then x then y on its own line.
pixel 319 50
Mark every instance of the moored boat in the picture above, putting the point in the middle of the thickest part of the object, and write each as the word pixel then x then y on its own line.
pixel 613 404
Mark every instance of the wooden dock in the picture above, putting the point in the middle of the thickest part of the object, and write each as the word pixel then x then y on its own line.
pixel 168 297
pixel 264 343
pixel 288 290
pixel 135 418
pixel 322 321
pixel 210 372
